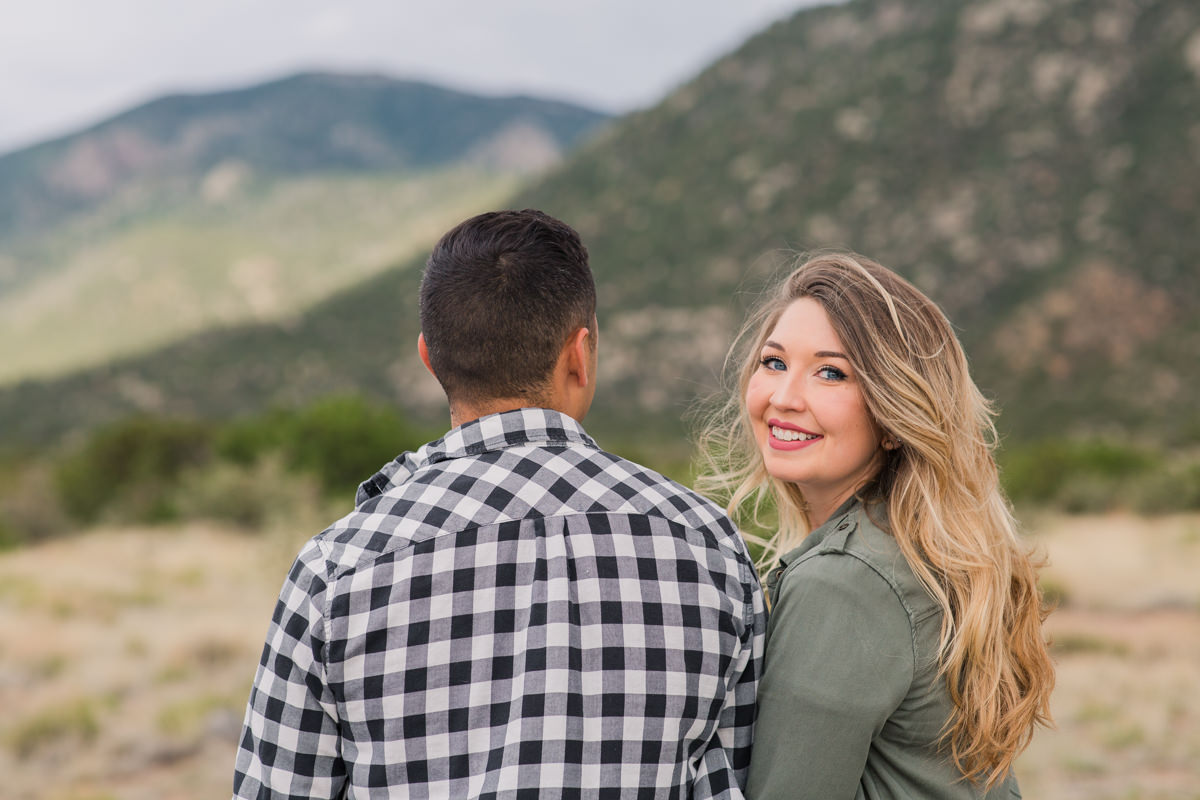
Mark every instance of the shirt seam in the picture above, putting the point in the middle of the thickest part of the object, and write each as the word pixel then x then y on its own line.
pixel 710 538
pixel 326 608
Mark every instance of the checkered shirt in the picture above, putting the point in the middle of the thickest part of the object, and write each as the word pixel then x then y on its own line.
pixel 510 612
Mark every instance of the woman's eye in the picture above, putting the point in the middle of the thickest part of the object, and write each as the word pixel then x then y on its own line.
pixel 831 374
pixel 774 363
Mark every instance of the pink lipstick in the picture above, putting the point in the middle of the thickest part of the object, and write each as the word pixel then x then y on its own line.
pixel 785 436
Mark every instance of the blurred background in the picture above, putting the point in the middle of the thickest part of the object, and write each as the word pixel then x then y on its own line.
pixel 212 225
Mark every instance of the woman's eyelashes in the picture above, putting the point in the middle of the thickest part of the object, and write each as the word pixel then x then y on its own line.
pixel 825 372
pixel 831 373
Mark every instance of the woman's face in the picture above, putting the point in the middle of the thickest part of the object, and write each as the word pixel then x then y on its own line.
pixel 808 413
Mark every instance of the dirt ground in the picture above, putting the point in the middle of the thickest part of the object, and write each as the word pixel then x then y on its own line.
pixel 127 656
pixel 1127 645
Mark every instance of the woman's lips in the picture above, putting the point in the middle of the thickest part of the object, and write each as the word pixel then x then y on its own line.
pixel 785 436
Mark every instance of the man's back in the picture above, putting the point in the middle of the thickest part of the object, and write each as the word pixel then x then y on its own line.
pixel 511 611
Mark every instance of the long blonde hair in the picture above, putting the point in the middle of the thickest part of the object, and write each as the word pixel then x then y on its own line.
pixel 940 486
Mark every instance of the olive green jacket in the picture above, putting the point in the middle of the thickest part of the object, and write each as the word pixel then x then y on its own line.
pixel 851 704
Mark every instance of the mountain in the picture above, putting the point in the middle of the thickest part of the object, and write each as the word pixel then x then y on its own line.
pixel 1033 165
pixel 317 122
pixel 195 211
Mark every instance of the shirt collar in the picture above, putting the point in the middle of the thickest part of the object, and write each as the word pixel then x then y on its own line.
pixel 837 526
pixel 522 426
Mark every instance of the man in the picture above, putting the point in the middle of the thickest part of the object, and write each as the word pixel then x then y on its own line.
pixel 510 611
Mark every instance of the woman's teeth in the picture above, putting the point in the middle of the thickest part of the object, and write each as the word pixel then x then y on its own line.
pixel 786 435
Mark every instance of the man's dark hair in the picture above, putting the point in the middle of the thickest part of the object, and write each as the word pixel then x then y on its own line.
pixel 501 294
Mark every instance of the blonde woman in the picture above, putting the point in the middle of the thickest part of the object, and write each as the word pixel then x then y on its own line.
pixel 905 655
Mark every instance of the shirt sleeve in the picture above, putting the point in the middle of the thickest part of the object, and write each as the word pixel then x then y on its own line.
pixel 839 661
pixel 725 765
pixel 289 745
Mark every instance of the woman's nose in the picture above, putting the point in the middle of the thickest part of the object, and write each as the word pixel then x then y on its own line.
pixel 789 393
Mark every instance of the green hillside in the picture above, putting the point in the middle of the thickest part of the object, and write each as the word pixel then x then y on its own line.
pixel 1034 166
pixel 260 250
pixel 302 124
pixel 212 210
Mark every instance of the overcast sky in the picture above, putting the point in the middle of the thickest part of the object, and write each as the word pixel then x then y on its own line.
pixel 67 63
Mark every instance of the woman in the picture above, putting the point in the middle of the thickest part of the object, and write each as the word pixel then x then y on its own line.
pixel 905 656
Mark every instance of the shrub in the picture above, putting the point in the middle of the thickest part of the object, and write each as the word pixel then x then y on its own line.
pixel 132 465
pixel 1055 594
pixel 1088 493
pixel 72 720
pixel 1176 488
pixel 9 536
pixel 247 440
pixel 341 440
pixel 248 496
pixel 1088 475
pixel 30 510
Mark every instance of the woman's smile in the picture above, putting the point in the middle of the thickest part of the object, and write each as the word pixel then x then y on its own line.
pixel 790 437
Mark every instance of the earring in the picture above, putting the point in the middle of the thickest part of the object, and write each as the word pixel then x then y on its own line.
pixel 889 443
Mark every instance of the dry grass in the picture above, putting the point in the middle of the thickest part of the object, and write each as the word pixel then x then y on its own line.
pixel 127 658
pixel 1127 645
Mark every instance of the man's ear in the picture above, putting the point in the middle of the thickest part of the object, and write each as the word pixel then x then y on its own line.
pixel 423 351
pixel 579 357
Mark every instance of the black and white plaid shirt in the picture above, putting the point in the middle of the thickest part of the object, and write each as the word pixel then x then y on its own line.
pixel 511 612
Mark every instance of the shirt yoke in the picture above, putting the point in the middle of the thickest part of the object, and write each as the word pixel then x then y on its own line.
pixel 516 483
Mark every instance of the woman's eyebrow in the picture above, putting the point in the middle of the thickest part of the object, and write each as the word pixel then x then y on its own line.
pixel 830 354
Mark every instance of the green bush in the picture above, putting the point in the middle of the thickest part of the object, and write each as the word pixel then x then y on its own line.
pixel 1088 493
pixel 30 510
pixel 1095 476
pixel 147 469
pixel 247 496
pixel 10 537
pixel 1175 488
pixel 247 440
pixel 131 467
pixel 341 440
pixel 344 440
pixel 1076 475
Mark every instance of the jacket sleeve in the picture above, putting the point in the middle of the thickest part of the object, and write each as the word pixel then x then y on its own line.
pixel 290 745
pixel 839 661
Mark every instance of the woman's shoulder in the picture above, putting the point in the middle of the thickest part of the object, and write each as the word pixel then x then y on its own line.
pixel 859 537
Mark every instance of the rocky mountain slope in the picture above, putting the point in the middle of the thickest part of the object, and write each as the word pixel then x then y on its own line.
pixel 1034 165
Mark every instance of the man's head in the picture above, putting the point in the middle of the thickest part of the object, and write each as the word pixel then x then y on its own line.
pixel 502 295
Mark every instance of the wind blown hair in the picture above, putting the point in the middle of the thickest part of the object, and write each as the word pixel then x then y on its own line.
pixel 940 487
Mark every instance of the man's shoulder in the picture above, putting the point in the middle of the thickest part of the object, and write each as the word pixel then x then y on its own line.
pixel 655 494
pixel 525 482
